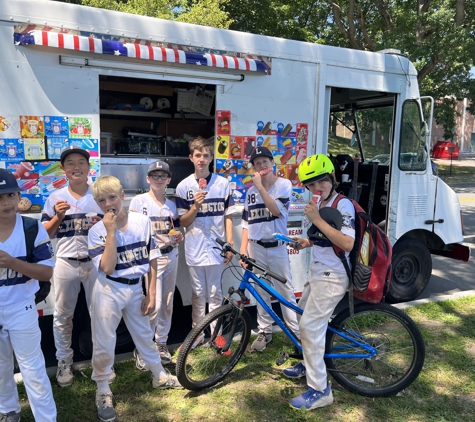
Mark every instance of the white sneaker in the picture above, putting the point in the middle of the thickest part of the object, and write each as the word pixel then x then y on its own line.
pixel 170 382
pixel 64 374
pixel 139 362
pixel 105 407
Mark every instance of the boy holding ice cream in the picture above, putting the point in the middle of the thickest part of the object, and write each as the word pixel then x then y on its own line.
pixel 68 214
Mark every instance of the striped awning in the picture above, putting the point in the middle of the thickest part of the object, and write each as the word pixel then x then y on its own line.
pixel 137 50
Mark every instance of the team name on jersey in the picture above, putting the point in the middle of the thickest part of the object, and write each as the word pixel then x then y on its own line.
pixel 160 225
pixel 139 254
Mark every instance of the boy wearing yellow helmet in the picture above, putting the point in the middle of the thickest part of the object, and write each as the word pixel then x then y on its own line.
pixel 327 281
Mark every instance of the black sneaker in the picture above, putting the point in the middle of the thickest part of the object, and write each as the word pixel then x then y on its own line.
pixel 165 355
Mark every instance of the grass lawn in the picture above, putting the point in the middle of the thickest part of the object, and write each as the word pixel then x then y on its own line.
pixel 256 390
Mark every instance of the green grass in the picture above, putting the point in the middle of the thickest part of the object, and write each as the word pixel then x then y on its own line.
pixel 257 391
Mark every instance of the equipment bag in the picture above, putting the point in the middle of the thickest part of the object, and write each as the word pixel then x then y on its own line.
pixel 30 227
pixel 370 257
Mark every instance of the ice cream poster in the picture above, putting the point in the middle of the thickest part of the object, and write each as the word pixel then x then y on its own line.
pixel 49 168
pixel 222 146
pixel 30 186
pixel 22 170
pixel 11 149
pixel 31 203
pixel 91 145
pixel 50 184
pixel 223 122
pixel 9 126
pixel 32 127
pixel 56 147
pixel 56 126
pixel 35 149
pixel 80 127
pixel 267 141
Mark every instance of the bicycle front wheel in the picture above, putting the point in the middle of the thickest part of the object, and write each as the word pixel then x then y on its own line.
pixel 399 345
pixel 204 360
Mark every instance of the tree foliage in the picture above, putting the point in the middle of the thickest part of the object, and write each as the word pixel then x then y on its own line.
pixel 436 35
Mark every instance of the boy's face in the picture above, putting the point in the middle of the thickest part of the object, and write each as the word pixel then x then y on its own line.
pixel 76 168
pixel 9 204
pixel 262 163
pixel 110 202
pixel 201 159
pixel 324 186
pixel 158 180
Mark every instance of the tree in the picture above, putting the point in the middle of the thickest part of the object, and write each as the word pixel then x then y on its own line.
pixel 436 35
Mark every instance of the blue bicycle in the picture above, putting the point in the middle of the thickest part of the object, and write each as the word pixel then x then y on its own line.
pixel 377 351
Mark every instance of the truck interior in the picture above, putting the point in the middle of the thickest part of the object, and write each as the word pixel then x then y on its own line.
pixel 359 144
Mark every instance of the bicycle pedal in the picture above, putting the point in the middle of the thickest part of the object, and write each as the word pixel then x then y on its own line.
pixel 282 358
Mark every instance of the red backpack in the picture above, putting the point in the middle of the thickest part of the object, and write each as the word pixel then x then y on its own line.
pixel 370 257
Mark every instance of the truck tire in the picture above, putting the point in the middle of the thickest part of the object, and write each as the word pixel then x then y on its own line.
pixel 412 268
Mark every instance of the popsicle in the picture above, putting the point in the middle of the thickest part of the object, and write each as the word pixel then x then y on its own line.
pixel 56 184
pixel 202 183
pixel 266 171
pixel 53 168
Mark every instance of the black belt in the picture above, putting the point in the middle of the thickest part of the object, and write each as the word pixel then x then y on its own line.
pixel 166 249
pixel 270 244
pixel 87 259
pixel 124 280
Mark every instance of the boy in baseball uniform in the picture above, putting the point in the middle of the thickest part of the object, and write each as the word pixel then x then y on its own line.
pixel 266 211
pixel 123 250
pixel 164 218
pixel 206 214
pixel 19 330
pixel 67 216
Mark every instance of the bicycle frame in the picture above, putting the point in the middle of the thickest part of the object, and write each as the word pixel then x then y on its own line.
pixel 246 284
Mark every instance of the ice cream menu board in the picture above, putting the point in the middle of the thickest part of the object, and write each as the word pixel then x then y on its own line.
pixel 29 146
pixel 287 141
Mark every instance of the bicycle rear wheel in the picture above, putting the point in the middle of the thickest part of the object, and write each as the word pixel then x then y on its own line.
pixel 204 360
pixel 397 339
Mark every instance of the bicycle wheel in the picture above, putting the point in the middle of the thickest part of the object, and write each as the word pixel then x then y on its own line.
pixel 202 361
pixel 397 339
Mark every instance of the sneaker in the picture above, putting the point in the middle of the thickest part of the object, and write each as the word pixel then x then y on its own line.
pixel 139 362
pixel 220 342
pixel 165 355
pixel 312 399
pixel 170 382
pixel 64 374
pixel 112 376
pixel 200 340
pixel 10 417
pixel 260 343
pixel 105 408
pixel 297 371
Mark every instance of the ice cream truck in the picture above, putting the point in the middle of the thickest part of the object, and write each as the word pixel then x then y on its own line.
pixel 134 89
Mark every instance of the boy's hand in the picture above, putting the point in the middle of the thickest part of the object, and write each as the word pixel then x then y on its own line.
pixel 5 260
pixel 257 180
pixel 60 209
pixel 300 243
pixel 311 211
pixel 110 222
pixel 228 258
pixel 199 198
pixel 148 304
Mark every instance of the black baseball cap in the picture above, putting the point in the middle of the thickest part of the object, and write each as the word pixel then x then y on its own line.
pixel 72 150
pixel 8 183
pixel 159 165
pixel 261 152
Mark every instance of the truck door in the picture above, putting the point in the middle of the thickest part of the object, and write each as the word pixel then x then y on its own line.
pixel 413 184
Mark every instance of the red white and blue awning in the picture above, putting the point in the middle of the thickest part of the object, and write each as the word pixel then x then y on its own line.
pixel 96 43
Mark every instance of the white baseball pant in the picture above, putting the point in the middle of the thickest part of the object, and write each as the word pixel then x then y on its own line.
pixel 205 286
pixel 68 276
pixel 326 287
pixel 112 301
pixel 20 334
pixel 161 317
pixel 277 260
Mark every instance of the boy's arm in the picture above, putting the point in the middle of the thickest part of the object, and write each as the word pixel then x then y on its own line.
pixel 188 218
pixel 32 270
pixel 109 257
pixel 268 200
pixel 59 210
pixel 148 302
pixel 228 225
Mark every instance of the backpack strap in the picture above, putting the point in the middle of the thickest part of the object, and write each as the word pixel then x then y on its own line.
pixel 30 227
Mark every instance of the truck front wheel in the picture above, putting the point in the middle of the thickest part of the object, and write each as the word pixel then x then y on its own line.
pixel 412 268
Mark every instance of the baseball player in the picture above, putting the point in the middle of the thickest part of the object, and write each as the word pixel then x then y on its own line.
pixel 123 250
pixel 19 330
pixel 66 216
pixel 163 215
pixel 206 214
pixel 327 281
pixel 266 211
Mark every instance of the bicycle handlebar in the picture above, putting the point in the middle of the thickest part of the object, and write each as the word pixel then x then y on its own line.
pixel 249 261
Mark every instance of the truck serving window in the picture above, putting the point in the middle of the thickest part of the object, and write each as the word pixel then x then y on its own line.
pixel 412 147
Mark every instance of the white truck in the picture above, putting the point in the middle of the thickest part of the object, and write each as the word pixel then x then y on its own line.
pixel 132 89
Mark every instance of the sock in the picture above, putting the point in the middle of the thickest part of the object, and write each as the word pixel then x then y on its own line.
pixel 103 387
